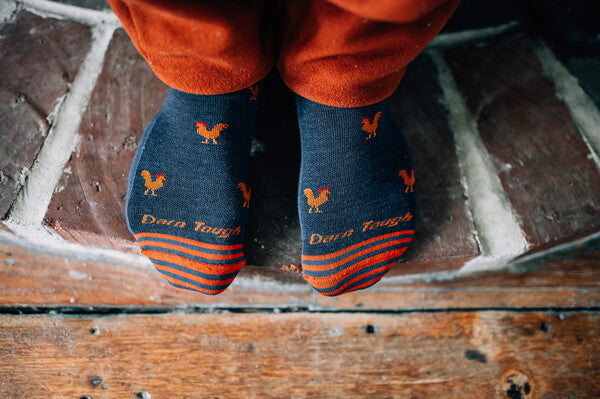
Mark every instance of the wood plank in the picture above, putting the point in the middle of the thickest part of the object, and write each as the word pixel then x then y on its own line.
pixel 541 160
pixel 449 355
pixel 569 279
pixel 39 58
pixel 31 279
pixel 444 233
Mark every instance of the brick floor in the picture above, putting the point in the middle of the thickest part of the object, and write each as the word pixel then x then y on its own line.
pixel 445 228
pixel 89 203
pixel 537 151
pixel 39 58
pixel 536 148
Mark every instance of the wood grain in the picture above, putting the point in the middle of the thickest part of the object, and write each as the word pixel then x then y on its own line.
pixel 542 162
pixel 570 279
pixel 31 279
pixel 39 59
pixel 449 355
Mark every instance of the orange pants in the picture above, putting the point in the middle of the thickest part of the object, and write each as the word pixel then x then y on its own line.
pixel 344 53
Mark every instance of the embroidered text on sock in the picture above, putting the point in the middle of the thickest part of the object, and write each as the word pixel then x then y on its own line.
pixel 355 197
pixel 188 190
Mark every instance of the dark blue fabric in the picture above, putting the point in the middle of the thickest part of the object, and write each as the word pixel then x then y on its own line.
pixel 362 175
pixel 201 179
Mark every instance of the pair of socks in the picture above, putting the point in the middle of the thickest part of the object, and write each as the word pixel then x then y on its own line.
pixel 189 192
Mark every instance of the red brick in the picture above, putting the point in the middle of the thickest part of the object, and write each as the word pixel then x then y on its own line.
pixel 39 58
pixel 89 204
pixel 538 153
pixel 443 238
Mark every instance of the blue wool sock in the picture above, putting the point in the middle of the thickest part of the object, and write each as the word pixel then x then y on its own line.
pixel 355 196
pixel 188 193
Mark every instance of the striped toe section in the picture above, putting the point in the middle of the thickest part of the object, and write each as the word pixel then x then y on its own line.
pixel 356 267
pixel 192 265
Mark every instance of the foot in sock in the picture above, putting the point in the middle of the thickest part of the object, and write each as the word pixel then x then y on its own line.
pixel 188 192
pixel 355 196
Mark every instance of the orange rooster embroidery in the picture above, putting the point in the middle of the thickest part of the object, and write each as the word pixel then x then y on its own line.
pixel 369 127
pixel 152 185
pixel 210 134
pixel 409 181
pixel 246 194
pixel 254 90
pixel 316 202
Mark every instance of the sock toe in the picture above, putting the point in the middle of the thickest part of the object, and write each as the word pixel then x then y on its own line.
pixel 356 267
pixel 190 264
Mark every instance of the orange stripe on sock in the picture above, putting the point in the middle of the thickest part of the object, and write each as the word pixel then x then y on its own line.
pixel 190 251
pixel 192 287
pixel 329 281
pixel 192 277
pixel 215 270
pixel 188 241
pixel 350 282
pixel 366 284
pixel 342 289
pixel 322 268
pixel 343 251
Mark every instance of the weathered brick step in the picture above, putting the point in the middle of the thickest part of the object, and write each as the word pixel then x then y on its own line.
pixel 537 151
pixel 39 59
pixel 89 203
pixel 88 206
pixel 445 229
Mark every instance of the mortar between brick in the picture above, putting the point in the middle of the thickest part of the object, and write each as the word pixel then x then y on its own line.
pixel 581 107
pixel 498 231
pixel 45 9
pixel 8 9
pixel 448 40
pixel 32 201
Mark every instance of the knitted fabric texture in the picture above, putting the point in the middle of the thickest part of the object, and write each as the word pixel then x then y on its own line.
pixel 188 190
pixel 355 197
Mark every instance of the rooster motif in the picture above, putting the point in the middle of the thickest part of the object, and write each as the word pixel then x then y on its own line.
pixel 316 202
pixel 152 185
pixel 254 91
pixel 369 127
pixel 210 134
pixel 409 181
pixel 246 194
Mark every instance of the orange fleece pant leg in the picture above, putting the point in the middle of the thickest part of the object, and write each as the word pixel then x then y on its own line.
pixel 351 53
pixel 205 47
pixel 345 53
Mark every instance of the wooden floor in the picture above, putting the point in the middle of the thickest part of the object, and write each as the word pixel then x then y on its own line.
pixel 76 329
